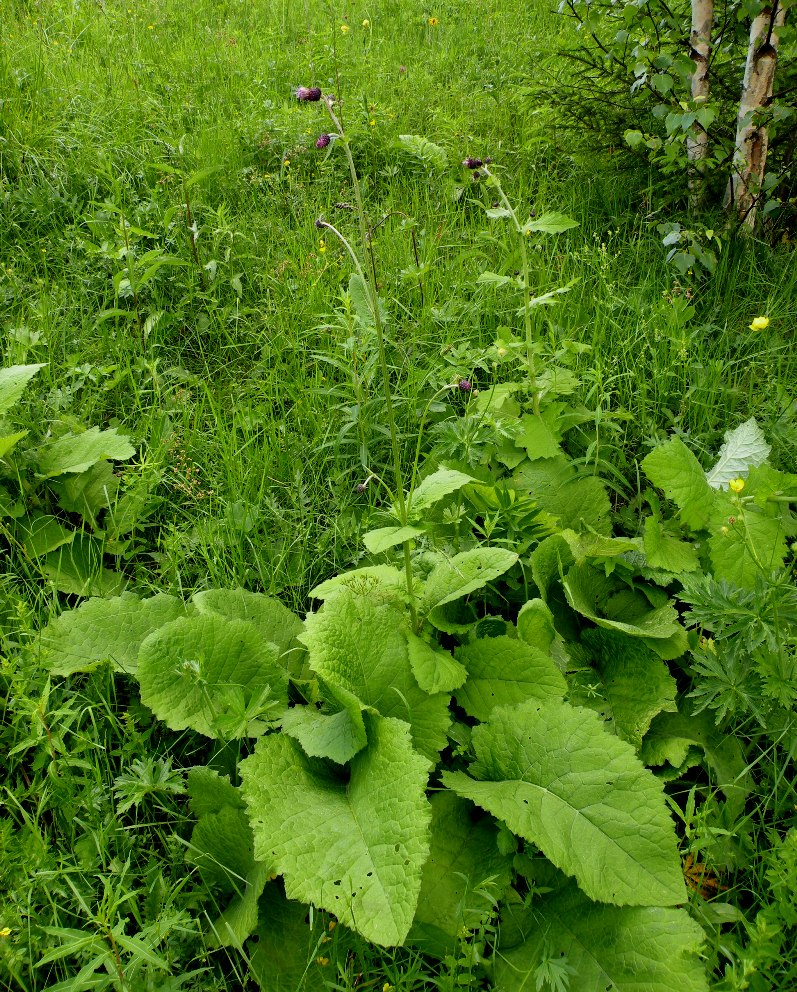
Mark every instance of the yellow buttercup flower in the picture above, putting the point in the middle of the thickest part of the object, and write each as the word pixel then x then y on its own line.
pixel 366 23
pixel 344 29
pixel 5 932
pixel 736 485
pixel 759 324
pixel 433 22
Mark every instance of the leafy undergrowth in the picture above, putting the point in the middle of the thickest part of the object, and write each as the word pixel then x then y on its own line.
pixel 487 749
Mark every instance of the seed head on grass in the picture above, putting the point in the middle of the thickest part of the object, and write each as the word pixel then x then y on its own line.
pixel 308 94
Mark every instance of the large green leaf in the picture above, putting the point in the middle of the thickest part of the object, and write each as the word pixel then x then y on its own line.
pixel 674 469
pixel 338 736
pixel 12 384
pixel 275 622
pixel 355 848
pixel 77 569
pixel 596 596
pixel 629 949
pixel 577 501
pixel 627 684
pixel 464 872
pixel 435 670
pixel 89 492
pixel 434 487
pixel 77 452
pixel 671 735
pixel 216 676
pixel 558 779
pixel 463 574
pixel 665 551
pixel 295 949
pixel 745 544
pixel 105 630
pixel 358 646
pixel 503 671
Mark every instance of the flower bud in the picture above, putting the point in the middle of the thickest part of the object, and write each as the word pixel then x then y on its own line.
pixel 308 93
pixel 473 163
pixel 465 385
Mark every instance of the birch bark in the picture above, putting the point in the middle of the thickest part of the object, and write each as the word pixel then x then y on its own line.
pixel 752 138
pixel 700 49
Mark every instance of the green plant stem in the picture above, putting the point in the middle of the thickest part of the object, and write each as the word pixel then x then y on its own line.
pixel 370 285
pixel 526 291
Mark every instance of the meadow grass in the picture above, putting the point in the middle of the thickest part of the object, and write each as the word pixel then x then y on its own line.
pixel 159 186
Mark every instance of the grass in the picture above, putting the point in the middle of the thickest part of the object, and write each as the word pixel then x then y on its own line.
pixel 158 191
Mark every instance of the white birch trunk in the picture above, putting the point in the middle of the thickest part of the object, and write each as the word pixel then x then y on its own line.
pixel 752 139
pixel 700 49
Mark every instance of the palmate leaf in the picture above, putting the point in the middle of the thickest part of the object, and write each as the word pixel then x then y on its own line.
pixel 628 949
pixel 465 869
pixel 105 630
pixel 503 671
pixel 204 672
pixel 358 647
pixel 355 848
pixel 554 775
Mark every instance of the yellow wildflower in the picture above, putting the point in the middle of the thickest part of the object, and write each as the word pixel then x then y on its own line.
pixel 344 29
pixel 5 932
pixel 366 23
pixel 736 485
pixel 322 246
pixel 759 324
pixel 433 22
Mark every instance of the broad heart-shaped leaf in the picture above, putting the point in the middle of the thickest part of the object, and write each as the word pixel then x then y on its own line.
pixel 275 622
pixel 628 949
pixel 555 776
pixel 578 502
pixel 503 671
pixel 673 468
pixel 77 452
pixel 12 384
pixel 627 684
pixel 105 630
pixel 337 736
pixel 355 848
pixel 363 580
pixel 463 574
pixel 221 848
pixel 464 871
pixel 209 792
pixel 295 949
pixel 596 596
pixel 358 647
pixel 201 671
pixel 744 448
pixel 434 487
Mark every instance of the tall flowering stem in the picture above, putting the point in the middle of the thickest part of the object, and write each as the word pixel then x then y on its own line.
pixel 526 288
pixel 370 285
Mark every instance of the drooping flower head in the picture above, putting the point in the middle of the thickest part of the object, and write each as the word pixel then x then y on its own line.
pixel 465 385
pixel 322 141
pixel 473 163
pixel 308 94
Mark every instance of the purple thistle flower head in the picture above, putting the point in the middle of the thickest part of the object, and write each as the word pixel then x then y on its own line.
pixel 308 94
pixel 322 141
pixel 473 163
pixel 320 223
pixel 465 385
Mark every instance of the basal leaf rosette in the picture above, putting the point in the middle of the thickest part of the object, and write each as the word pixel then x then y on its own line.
pixel 216 676
pixel 355 848
pixel 558 779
